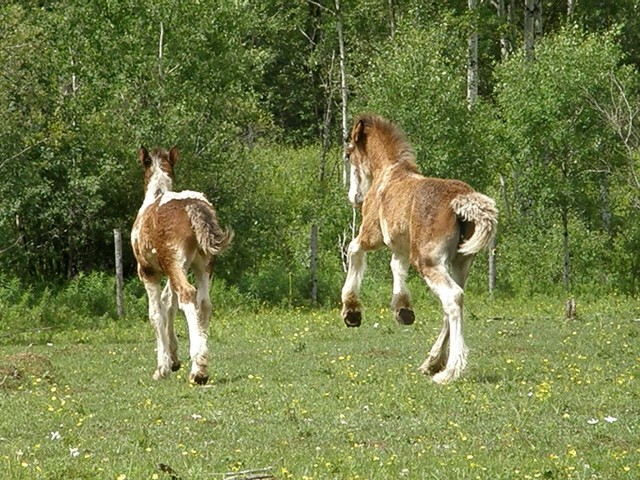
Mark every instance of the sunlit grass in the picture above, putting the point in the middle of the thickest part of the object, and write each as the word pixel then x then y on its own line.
pixel 295 390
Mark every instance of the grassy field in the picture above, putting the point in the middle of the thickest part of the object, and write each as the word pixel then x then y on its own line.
pixel 294 390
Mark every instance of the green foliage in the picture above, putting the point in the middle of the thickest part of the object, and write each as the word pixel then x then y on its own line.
pixel 272 212
pixel 552 144
pixel 72 176
pixel 250 90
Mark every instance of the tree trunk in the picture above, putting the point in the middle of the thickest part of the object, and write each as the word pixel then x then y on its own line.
pixel 392 20
pixel 529 25
pixel 117 240
pixel 566 268
pixel 605 201
pixel 326 144
pixel 504 11
pixel 313 263
pixel 472 59
pixel 492 266
pixel 571 5
pixel 160 50
pixel 537 19
pixel 505 197
pixel 343 91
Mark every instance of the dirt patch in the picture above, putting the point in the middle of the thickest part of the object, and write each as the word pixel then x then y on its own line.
pixel 20 368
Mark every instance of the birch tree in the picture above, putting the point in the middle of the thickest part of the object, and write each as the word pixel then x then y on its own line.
pixel 555 138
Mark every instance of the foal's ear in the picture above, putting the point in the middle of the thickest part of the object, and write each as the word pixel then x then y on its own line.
pixel 358 132
pixel 174 154
pixel 143 156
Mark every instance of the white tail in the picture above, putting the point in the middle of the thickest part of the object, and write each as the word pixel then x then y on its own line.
pixel 204 221
pixel 482 212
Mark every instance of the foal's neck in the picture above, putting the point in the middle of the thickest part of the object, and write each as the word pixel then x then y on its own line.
pixel 159 183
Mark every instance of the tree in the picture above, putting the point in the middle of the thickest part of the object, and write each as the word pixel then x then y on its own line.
pixel 556 141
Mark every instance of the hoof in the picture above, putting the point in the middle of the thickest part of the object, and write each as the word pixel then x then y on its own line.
pixel 161 372
pixel 199 378
pixel 352 318
pixel 442 378
pixel 404 316
pixel 175 366
pixel 431 367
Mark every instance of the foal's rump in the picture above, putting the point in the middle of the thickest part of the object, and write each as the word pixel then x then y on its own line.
pixel 451 215
pixel 190 218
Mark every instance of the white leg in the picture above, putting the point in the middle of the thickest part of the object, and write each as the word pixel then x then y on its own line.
pixel 451 297
pixel 350 291
pixel 437 357
pixel 170 301
pixel 460 266
pixel 196 343
pixel 198 328
pixel 400 301
pixel 158 319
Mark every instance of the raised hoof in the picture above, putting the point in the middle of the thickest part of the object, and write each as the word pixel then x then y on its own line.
pixel 175 366
pixel 404 316
pixel 199 378
pixel 352 318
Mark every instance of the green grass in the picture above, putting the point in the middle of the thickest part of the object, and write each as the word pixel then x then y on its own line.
pixel 295 390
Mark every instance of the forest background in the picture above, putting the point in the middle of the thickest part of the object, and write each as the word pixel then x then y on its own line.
pixel 544 119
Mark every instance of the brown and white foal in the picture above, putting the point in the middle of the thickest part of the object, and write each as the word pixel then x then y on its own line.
pixel 175 232
pixel 434 224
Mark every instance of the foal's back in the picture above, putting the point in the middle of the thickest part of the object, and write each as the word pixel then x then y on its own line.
pixel 178 229
pixel 418 208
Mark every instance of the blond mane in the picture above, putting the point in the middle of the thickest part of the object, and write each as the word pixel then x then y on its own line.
pixel 398 147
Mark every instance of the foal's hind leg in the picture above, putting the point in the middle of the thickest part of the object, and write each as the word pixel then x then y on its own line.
pixel 158 319
pixel 400 302
pixel 170 301
pixel 187 298
pixel 357 258
pixel 437 358
pixel 198 330
pixel 451 297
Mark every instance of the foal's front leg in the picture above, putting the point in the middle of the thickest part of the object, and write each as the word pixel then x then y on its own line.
pixel 351 308
pixel 401 302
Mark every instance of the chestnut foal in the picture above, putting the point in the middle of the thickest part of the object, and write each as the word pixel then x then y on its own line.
pixel 434 224
pixel 175 232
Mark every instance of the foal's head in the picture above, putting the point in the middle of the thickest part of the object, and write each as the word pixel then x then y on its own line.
pixel 374 145
pixel 158 169
pixel 360 173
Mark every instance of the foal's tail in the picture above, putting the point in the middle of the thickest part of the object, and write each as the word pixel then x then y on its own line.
pixel 212 239
pixel 481 211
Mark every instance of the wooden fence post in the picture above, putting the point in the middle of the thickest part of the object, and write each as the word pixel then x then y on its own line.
pixel 117 240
